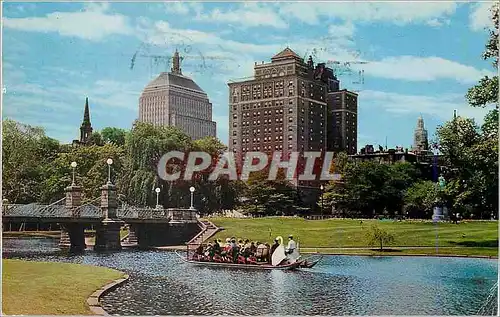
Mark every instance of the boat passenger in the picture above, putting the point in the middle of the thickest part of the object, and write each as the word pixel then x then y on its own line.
pixel 233 244
pixel 241 245
pixel 226 247
pixel 208 249
pixel 199 249
pixel 215 247
pixel 262 252
pixel 253 248
pixel 291 245
pixel 234 250
pixel 245 250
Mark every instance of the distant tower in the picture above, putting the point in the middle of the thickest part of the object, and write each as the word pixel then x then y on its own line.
pixel 176 64
pixel 310 62
pixel 86 127
pixel 420 141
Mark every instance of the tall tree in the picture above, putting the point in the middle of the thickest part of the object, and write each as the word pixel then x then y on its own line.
pixel 370 188
pixel 26 152
pixel 115 136
pixel 91 171
pixel 144 147
pixel 473 151
pixel 420 199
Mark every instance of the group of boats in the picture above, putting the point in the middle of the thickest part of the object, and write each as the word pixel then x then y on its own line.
pixel 280 260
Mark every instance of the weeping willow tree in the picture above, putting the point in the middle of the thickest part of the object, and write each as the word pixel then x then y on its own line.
pixel 144 146
pixel 221 193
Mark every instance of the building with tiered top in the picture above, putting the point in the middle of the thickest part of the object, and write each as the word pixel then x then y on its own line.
pixel 173 99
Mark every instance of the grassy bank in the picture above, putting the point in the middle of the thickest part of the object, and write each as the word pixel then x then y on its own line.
pixel 465 238
pixel 43 288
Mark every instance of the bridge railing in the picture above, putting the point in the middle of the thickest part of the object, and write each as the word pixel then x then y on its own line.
pixel 90 209
pixel 141 213
pixel 54 210
pixel 181 215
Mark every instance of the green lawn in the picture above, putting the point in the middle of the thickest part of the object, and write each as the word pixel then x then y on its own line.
pixel 481 236
pixel 441 251
pixel 43 288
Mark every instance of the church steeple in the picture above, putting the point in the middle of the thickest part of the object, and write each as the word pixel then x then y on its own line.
pixel 86 127
pixel 176 64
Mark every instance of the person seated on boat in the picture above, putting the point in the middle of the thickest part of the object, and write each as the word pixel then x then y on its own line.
pixel 291 245
pixel 241 245
pixel 262 252
pixel 208 250
pixel 203 251
pixel 227 246
pixel 251 259
pixel 199 249
pixel 233 243
pixel 253 248
pixel 234 250
pixel 198 252
pixel 216 247
pixel 216 252
pixel 245 249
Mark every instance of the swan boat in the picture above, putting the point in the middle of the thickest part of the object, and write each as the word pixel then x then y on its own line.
pixel 279 261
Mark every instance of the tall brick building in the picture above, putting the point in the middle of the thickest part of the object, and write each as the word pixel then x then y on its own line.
pixel 291 106
pixel 342 121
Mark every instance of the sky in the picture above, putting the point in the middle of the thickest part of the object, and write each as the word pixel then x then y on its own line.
pixel 406 59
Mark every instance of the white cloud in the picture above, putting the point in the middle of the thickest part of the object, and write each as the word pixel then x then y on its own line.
pixel 342 30
pixel 480 17
pixel 438 23
pixel 183 8
pixel 412 68
pixel 437 106
pixel 249 14
pixel 58 106
pixel 399 13
pixel 92 23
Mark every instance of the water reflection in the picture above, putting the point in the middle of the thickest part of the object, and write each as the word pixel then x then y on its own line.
pixel 161 284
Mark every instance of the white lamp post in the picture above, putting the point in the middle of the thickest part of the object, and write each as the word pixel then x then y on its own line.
pixel 157 190
pixel 191 189
pixel 322 188
pixel 73 165
pixel 109 162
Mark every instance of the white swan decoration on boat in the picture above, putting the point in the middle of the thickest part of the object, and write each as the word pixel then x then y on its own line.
pixel 279 254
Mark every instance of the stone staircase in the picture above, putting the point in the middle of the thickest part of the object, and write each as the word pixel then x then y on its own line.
pixel 208 229
pixel 130 239
pixel 64 241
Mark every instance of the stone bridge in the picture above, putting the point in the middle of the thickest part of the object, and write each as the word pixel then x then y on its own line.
pixel 147 226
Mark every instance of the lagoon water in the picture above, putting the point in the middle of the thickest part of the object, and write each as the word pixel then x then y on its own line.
pixel 161 284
